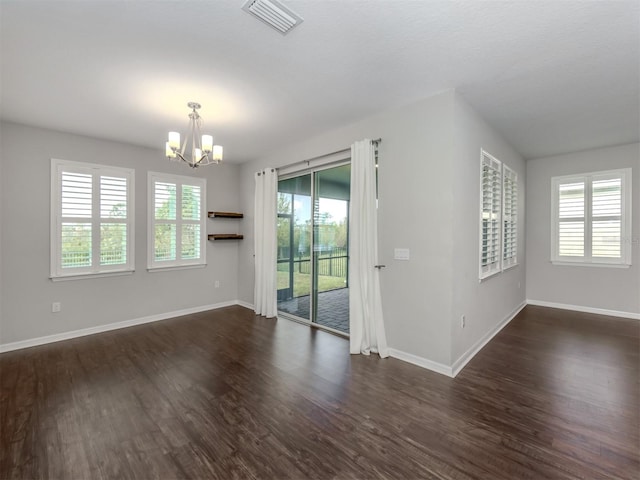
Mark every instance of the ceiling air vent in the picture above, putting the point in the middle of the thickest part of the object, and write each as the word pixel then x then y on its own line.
pixel 274 14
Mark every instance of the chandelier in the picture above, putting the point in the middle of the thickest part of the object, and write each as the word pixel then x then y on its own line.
pixel 203 151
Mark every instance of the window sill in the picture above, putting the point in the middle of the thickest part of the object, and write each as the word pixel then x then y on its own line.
pixel 586 264
pixel 497 272
pixel 83 276
pixel 175 267
pixel 488 276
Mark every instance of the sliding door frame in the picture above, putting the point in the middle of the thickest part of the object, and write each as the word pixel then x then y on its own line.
pixel 314 281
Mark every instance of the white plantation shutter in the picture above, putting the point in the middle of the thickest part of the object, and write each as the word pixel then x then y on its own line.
pixel 498 216
pixel 164 232
pixel 490 215
pixel 606 225
pixel 91 219
pixel 76 228
pixel 177 221
pixel 113 220
pixel 191 220
pixel 592 218
pixel 571 218
pixel 509 217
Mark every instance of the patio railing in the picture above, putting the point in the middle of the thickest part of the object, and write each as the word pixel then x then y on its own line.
pixel 332 263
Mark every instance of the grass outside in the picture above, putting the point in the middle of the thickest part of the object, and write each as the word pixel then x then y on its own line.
pixel 302 283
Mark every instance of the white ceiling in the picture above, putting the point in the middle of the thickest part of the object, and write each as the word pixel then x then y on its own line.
pixel 550 76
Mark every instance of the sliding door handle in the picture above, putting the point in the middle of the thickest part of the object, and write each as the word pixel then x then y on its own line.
pixel 379 267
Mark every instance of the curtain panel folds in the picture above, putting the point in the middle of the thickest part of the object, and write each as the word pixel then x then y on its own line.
pixel 265 247
pixel 366 323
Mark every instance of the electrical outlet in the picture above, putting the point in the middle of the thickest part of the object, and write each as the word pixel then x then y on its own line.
pixel 56 307
pixel 217 284
pixel 463 321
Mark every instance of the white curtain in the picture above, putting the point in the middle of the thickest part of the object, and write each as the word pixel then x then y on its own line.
pixel 265 299
pixel 366 325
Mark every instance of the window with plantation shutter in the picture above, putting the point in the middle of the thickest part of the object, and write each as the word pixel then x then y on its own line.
pixel 498 216
pixel 177 217
pixel 91 219
pixel 509 218
pixel 490 215
pixel 591 218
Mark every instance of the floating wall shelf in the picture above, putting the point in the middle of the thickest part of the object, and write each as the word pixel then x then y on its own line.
pixel 225 215
pixel 225 236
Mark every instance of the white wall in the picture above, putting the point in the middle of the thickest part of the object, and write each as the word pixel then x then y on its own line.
pixel 1 230
pixel 485 304
pixel 616 289
pixel 27 292
pixel 415 213
pixel 424 147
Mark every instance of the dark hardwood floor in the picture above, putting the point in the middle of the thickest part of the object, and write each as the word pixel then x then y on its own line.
pixel 225 394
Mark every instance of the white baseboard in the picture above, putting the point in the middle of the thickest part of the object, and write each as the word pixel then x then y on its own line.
pixel 450 371
pixel 32 342
pixel 466 357
pixel 245 304
pixel 579 308
pixel 458 365
pixel 421 362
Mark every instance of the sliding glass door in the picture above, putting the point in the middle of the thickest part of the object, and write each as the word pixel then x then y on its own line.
pixel 313 239
pixel 294 246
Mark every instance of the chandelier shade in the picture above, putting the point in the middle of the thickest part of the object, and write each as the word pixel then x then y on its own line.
pixel 202 151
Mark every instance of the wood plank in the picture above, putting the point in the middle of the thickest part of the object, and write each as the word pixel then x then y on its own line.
pixel 226 215
pixel 225 236
pixel 227 394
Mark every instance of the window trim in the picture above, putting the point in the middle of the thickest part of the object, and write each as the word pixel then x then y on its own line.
pixel 56 272
pixel 587 259
pixel 179 180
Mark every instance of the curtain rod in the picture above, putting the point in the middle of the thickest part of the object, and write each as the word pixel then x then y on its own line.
pixel 308 160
